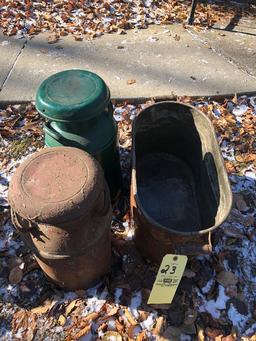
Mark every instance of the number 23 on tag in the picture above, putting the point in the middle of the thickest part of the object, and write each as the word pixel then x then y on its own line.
pixel 167 279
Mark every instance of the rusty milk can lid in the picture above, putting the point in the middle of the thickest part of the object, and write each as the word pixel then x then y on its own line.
pixel 56 185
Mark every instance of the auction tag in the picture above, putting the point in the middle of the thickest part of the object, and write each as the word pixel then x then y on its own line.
pixel 167 279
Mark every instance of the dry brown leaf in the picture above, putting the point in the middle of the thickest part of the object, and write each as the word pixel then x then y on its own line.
pixel 190 316
pixel 62 320
pixel 171 333
pixel 44 308
pixel 226 278
pixel 177 37
pixel 143 315
pixel 200 334
pixel 130 331
pixel 159 327
pixel 131 81
pixel 239 202
pixel 188 273
pixel 26 321
pixel 6 132
pixel 78 37
pixel 119 326
pixel 113 311
pixel 239 158
pixel 228 338
pixel 233 232
pixel 15 275
pixel 83 332
pixel 52 39
pixel 142 336
pixel 71 306
pixel 90 317
pixel 212 333
pixel 130 318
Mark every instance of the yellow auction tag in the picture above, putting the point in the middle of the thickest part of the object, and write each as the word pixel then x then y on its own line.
pixel 167 279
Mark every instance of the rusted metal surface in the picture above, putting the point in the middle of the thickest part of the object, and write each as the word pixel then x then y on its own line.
pixel 61 206
pixel 180 191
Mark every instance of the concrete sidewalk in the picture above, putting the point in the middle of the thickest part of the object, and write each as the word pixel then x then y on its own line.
pixel 163 60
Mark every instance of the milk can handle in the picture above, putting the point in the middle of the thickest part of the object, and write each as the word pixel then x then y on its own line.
pixel 17 224
pixel 52 132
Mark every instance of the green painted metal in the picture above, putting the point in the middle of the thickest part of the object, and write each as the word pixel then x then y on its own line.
pixel 79 114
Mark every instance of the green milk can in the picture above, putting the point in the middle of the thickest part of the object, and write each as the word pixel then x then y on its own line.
pixel 79 113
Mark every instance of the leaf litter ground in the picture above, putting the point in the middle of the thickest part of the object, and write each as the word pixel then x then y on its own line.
pixel 91 19
pixel 216 297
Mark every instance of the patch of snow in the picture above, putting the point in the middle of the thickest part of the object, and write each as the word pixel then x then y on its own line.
pixel 213 307
pixel 252 330
pixel 208 286
pixel 5 43
pixel 240 110
pixel 216 112
pixel 96 302
pixel 118 294
pixel 135 303
pixel 253 102
pixel 238 320
pixel 152 39
pixel 111 324
pixel 149 322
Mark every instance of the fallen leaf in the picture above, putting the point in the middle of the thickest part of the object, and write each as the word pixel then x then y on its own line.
pixel 226 278
pixel 189 273
pixel 71 306
pixel 62 320
pixel 233 231
pixel 142 336
pixel 200 334
pixel 171 333
pixel 15 275
pixel 190 316
pixel 130 331
pixel 113 311
pixel 43 308
pixel 78 37
pixel 159 327
pixel 52 39
pixel 90 317
pixel 231 291
pixel 119 326
pixel 239 202
pixel 131 81
pixel 228 338
pixel 83 332
pixel 212 333
pixel 130 318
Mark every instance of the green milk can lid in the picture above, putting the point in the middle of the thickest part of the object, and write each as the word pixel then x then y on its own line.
pixel 72 95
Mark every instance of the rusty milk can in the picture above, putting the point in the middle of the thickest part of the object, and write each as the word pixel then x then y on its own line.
pixel 60 204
